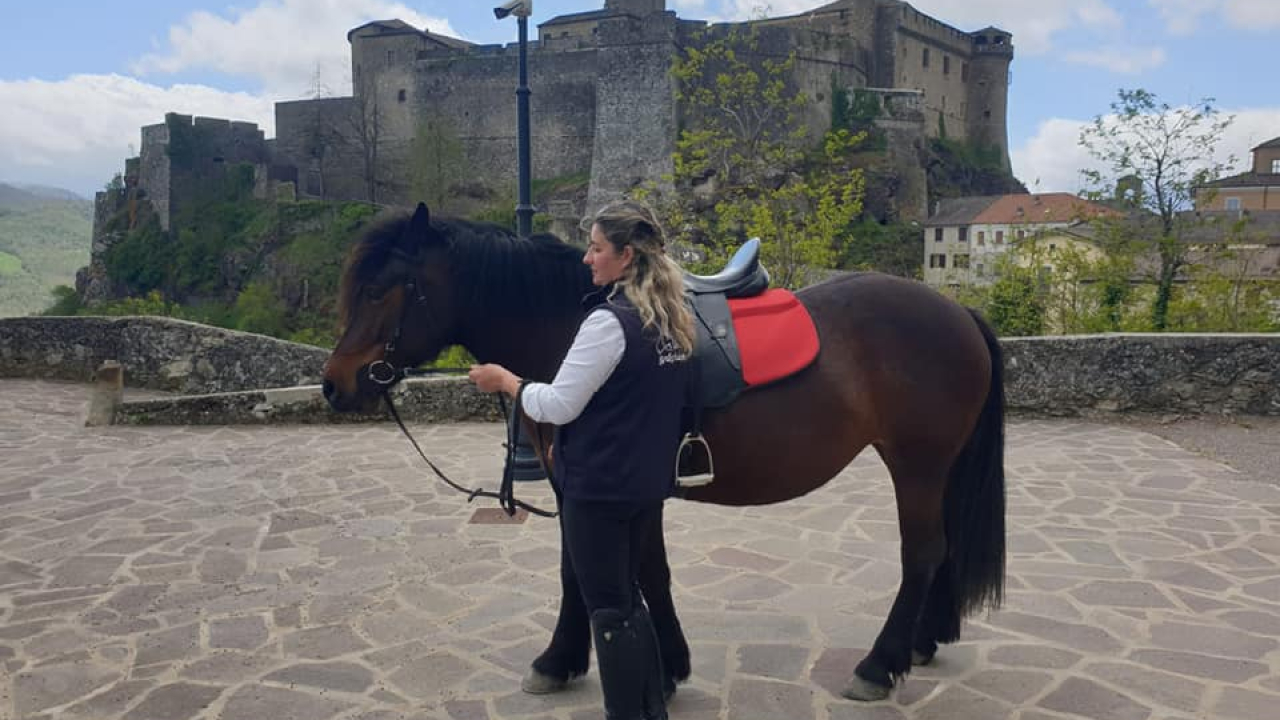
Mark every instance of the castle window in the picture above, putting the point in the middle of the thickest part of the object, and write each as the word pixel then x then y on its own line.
pixel 402 95
pixel 1233 203
pixel 937 235
pixel 925 57
pixel 946 64
pixel 964 72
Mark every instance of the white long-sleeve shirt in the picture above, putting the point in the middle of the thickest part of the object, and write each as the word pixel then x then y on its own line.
pixel 596 351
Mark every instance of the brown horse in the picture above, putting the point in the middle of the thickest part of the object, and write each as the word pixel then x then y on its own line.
pixel 901 369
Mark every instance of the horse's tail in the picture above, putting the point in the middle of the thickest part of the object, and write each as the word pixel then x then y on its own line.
pixel 974 504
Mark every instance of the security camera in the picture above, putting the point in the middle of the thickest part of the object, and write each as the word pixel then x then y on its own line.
pixel 519 8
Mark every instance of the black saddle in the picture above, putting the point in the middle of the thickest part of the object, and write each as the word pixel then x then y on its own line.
pixel 743 276
pixel 716 380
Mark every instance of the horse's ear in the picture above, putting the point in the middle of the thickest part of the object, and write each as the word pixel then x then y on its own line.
pixel 418 233
pixel 421 220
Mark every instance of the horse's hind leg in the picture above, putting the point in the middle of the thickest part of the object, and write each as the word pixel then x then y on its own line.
pixel 655 585
pixel 940 621
pixel 569 653
pixel 919 482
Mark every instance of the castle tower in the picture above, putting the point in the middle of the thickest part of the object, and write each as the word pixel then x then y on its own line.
pixel 639 8
pixel 989 89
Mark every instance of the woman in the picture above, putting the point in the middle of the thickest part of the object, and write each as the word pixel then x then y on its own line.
pixel 617 399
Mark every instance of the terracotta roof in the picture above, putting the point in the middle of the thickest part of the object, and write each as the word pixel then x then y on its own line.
pixel 1039 208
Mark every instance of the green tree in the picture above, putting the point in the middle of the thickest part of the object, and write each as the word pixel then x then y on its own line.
pixel 435 161
pixel 1168 149
pixel 259 310
pixel 744 165
pixel 1015 302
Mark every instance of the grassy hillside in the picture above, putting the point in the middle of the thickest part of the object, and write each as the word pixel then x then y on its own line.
pixel 42 243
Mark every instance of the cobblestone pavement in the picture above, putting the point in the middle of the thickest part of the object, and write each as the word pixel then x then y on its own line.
pixel 317 573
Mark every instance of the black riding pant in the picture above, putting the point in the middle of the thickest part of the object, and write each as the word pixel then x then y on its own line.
pixel 606 541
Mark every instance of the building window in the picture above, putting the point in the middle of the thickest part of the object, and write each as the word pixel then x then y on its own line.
pixel 937 235
pixel 964 234
pixel 1275 167
pixel 391 57
pixel 964 72
pixel 999 237
pixel 946 64
pixel 938 260
pixel 926 57
pixel 1053 246
pixel 962 262
pixel 402 95
pixel 982 237
pixel 1021 234
pixel 982 270
pixel 1233 203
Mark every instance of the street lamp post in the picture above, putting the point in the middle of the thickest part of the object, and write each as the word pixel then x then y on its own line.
pixel 524 463
pixel 522 9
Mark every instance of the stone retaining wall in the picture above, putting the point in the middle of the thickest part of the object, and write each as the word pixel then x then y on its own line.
pixel 157 354
pixel 230 374
pixel 433 400
pixel 1167 373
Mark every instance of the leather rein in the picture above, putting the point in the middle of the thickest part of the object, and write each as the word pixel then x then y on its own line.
pixel 385 375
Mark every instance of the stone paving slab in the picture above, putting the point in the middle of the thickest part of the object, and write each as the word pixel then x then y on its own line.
pixel 317 573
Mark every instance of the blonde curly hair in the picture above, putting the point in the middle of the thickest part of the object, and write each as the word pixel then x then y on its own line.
pixel 653 282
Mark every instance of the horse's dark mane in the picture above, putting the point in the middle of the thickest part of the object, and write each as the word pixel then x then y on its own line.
pixel 494 269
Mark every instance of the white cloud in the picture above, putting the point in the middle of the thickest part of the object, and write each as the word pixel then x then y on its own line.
pixel 281 43
pixel 77 132
pixel 1184 16
pixel 1130 61
pixel 1052 160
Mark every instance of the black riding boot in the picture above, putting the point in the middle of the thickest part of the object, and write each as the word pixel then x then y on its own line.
pixel 630 664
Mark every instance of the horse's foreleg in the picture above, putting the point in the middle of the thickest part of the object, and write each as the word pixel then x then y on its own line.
pixel 919 492
pixel 655 585
pixel 569 653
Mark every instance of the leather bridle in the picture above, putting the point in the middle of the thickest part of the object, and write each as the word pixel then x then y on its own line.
pixel 385 374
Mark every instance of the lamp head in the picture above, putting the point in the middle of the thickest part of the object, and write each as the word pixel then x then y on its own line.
pixel 519 8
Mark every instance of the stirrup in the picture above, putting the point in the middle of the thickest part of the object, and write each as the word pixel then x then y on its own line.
pixel 690 446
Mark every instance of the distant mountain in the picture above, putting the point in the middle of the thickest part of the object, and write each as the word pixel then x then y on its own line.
pixel 12 197
pixel 45 234
pixel 46 192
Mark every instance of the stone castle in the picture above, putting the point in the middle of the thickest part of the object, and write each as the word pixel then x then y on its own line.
pixel 604 103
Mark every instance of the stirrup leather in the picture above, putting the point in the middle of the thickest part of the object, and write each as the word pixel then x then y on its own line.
pixel 692 447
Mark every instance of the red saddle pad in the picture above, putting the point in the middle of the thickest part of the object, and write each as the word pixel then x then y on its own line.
pixel 776 336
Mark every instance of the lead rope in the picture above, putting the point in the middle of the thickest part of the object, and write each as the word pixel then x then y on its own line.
pixel 506 495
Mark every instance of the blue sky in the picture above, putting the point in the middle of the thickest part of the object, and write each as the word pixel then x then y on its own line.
pixel 77 79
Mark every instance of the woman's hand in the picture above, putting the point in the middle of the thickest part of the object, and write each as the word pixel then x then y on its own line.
pixel 494 378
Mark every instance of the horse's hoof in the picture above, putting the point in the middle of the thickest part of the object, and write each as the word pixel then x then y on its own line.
pixel 865 690
pixel 536 683
pixel 919 658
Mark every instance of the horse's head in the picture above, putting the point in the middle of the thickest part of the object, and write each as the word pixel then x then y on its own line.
pixel 397 309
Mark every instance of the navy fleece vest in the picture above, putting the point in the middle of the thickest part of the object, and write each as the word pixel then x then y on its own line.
pixel 623 445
